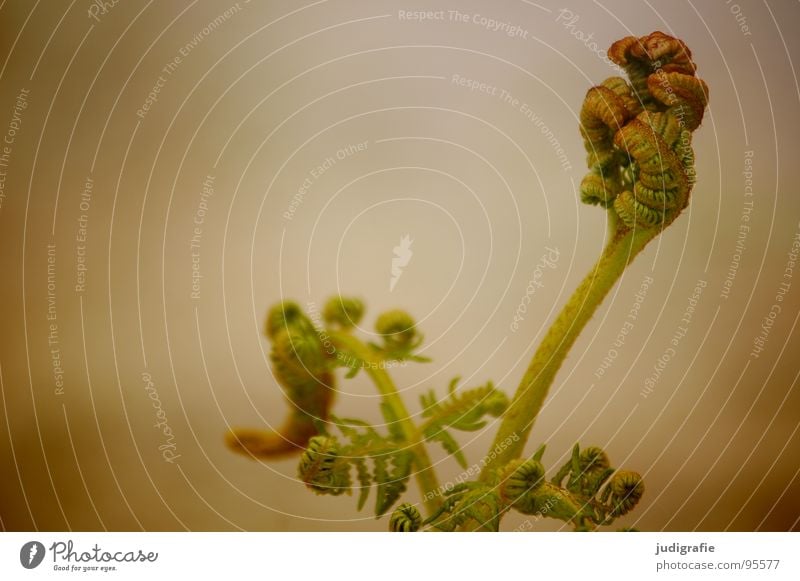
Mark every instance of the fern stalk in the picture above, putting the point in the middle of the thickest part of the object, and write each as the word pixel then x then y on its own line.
pixel 535 385
pixel 424 473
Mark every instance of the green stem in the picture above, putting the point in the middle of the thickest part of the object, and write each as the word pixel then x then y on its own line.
pixel 425 474
pixel 519 418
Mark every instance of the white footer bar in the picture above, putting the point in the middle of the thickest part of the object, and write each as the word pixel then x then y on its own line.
pixel 394 556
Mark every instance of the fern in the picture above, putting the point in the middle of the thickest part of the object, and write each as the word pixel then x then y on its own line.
pixel 641 171
pixel 463 411
pixel 327 464
pixel 585 491
pixel 364 479
pixel 394 483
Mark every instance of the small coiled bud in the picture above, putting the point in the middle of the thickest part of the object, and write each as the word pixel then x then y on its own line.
pixel 496 403
pixel 593 460
pixel 346 312
pixel 405 519
pixel 320 468
pixel 398 329
pixel 283 315
pixel 666 187
pixel 519 481
pixel 623 493
pixel 297 357
pixel 605 111
pixel 599 190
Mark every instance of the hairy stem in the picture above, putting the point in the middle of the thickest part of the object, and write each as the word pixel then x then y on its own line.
pixel 424 473
pixel 519 418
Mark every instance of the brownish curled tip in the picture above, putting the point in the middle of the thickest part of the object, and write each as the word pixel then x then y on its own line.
pixel 290 440
pixel 310 405
pixel 638 135
pixel 653 51
pixel 672 88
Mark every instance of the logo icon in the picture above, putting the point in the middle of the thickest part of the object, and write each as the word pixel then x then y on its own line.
pixel 402 256
pixel 31 554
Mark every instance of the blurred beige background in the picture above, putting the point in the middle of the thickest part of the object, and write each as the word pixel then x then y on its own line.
pixel 262 94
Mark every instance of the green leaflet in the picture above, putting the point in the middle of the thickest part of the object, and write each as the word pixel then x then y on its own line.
pixel 465 411
pixel 392 480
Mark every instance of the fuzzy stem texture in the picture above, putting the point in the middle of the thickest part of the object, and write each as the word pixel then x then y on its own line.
pixel 519 418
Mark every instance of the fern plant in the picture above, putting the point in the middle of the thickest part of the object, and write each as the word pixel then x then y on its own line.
pixel 637 134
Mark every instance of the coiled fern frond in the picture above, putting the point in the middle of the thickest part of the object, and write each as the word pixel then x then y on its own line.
pixel 326 464
pixel 638 135
pixel 303 368
pixel 586 491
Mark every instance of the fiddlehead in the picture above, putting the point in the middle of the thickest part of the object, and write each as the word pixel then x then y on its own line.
pixel 285 316
pixel 623 493
pixel 322 468
pixel 343 312
pixel 405 519
pixel 605 110
pixel 326 464
pixel 638 136
pixel 400 336
pixel 585 492
pixel 303 368
pixel 517 480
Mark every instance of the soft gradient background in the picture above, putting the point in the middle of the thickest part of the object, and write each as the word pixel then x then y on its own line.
pixel 262 100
